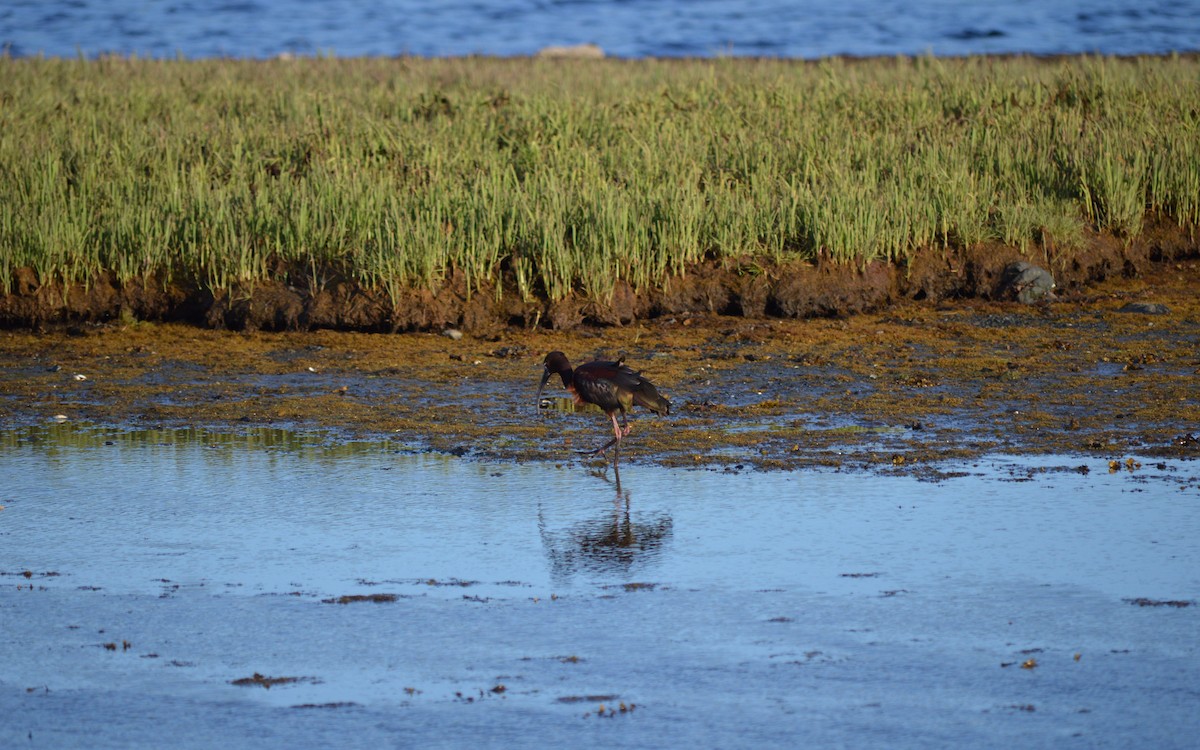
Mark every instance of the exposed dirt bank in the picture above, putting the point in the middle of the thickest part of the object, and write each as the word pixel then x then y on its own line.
pixel 748 288
pixel 900 390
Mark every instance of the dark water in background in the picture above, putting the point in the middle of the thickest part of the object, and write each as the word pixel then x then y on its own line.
pixel 623 28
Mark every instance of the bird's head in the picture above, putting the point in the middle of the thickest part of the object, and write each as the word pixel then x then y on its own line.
pixel 555 362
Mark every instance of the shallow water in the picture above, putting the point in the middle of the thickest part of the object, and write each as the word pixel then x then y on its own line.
pixel 728 608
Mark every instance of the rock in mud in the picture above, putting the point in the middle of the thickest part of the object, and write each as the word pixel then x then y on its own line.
pixel 1026 283
pixel 1145 308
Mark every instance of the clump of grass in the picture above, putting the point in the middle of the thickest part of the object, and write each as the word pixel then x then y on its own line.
pixel 577 175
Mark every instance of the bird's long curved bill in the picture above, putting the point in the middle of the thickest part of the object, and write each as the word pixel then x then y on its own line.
pixel 542 387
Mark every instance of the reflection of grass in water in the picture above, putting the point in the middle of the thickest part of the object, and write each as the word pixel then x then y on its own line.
pixel 567 405
pixel 76 436
pixel 861 430
pixel 568 177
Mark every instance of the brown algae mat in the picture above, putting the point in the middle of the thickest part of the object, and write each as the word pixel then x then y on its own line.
pixel 902 390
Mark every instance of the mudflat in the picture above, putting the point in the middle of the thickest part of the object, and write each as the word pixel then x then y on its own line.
pixel 1108 370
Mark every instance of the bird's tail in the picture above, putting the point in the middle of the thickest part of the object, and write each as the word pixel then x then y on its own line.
pixel 647 396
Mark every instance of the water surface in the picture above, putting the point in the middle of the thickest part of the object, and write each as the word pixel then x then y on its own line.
pixel 728 608
pixel 651 28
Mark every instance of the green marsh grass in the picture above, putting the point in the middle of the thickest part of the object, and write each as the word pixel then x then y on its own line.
pixel 573 175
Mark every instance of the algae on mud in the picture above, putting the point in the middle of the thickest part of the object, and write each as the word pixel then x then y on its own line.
pixel 895 392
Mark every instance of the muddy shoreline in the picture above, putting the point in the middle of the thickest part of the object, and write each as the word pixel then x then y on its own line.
pixel 307 300
pixel 899 390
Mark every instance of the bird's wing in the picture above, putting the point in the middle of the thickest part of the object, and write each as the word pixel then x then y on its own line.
pixel 597 383
pixel 615 385
pixel 644 393
pixel 648 397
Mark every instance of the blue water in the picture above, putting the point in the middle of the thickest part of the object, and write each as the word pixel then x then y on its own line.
pixel 143 573
pixel 622 28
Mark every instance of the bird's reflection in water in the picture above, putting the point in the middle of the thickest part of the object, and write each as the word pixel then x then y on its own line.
pixel 614 543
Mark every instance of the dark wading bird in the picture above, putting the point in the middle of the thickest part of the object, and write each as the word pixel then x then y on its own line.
pixel 613 386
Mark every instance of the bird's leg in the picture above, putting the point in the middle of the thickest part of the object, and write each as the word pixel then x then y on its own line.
pixel 599 450
pixel 620 433
pixel 617 435
pixel 626 428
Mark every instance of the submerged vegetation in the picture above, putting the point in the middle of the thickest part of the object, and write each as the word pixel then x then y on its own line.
pixel 547 177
